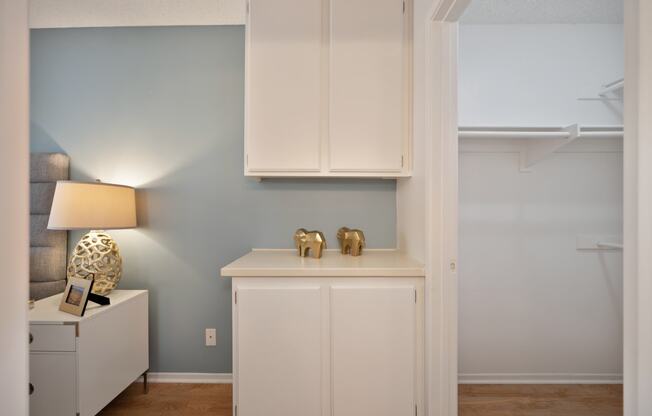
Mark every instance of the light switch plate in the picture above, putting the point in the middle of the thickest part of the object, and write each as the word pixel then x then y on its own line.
pixel 211 337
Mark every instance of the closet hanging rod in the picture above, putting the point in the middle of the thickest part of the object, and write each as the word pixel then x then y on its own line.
pixel 536 132
pixel 603 134
pixel 506 134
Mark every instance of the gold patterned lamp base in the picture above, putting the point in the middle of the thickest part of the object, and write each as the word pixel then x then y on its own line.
pixel 97 257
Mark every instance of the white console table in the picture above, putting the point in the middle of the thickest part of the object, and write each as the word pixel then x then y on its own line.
pixel 79 364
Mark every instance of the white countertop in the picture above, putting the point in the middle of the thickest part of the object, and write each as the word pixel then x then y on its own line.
pixel 47 311
pixel 287 263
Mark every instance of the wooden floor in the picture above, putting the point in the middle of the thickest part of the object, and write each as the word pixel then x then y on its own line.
pixel 475 400
pixel 172 399
pixel 540 400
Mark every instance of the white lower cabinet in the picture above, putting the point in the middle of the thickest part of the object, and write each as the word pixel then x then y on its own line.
pixel 279 351
pixel 328 346
pixel 373 331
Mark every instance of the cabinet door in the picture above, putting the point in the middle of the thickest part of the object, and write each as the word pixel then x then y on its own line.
pixel 54 381
pixel 367 86
pixel 278 351
pixel 283 85
pixel 374 351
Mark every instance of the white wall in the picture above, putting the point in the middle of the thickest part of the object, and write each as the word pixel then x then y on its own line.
pixel 533 307
pixel 14 210
pixel 410 195
pixel 530 302
pixel 533 74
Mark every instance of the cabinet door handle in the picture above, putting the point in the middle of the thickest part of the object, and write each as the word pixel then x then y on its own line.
pixel 31 389
pixel 31 338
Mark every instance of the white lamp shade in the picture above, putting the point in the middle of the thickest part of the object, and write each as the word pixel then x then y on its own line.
pixel 92 205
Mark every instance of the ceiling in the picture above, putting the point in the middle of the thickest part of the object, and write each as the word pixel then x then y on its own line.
pixel 543 11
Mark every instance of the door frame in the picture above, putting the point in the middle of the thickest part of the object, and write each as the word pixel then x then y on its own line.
pixel 441 183
pixel 441 175
pixel 637 262
pixel 14 206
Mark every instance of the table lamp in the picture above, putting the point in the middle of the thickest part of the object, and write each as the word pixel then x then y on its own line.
pixel 94 206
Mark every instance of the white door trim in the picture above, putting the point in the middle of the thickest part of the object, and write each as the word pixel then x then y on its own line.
pixel 14 205
pixel 638 209
pixel 441 205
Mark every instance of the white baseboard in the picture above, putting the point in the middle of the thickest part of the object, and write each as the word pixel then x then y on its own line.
pixel 483 378
pixel 540 378
pixel 189 378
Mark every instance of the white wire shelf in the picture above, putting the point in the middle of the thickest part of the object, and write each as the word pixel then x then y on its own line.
pixel 540 142
pixel 600 242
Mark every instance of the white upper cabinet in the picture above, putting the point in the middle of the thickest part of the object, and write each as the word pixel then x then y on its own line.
pixel 367 86
pixel 283 86
pixel 328 88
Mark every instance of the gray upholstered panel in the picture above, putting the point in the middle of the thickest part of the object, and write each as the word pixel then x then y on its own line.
pixel 40 197
pixel 48 249
pixel 40 236
pixel 47 264
pixel 49 167
pixel 40 290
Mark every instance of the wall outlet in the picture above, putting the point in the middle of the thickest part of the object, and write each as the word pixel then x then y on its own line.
pixel 211 337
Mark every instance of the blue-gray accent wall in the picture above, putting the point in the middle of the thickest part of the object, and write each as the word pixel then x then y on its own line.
pixel 162 109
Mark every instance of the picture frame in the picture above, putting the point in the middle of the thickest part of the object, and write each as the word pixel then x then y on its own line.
pixel 75 297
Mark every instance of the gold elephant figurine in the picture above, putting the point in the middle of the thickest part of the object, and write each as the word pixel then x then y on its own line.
pixel 309 242
pixel 351 241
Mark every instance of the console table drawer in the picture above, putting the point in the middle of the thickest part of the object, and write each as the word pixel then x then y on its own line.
pixel 52 337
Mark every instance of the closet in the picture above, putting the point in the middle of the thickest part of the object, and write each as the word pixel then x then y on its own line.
pixel 540 195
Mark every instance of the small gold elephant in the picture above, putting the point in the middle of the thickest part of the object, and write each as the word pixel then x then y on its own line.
pixel 309 242
pixel 351 241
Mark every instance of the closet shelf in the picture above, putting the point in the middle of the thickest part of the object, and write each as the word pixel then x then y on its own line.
pixel 599 242
pixel 618 85
pixel 540 142
pixel 610 246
